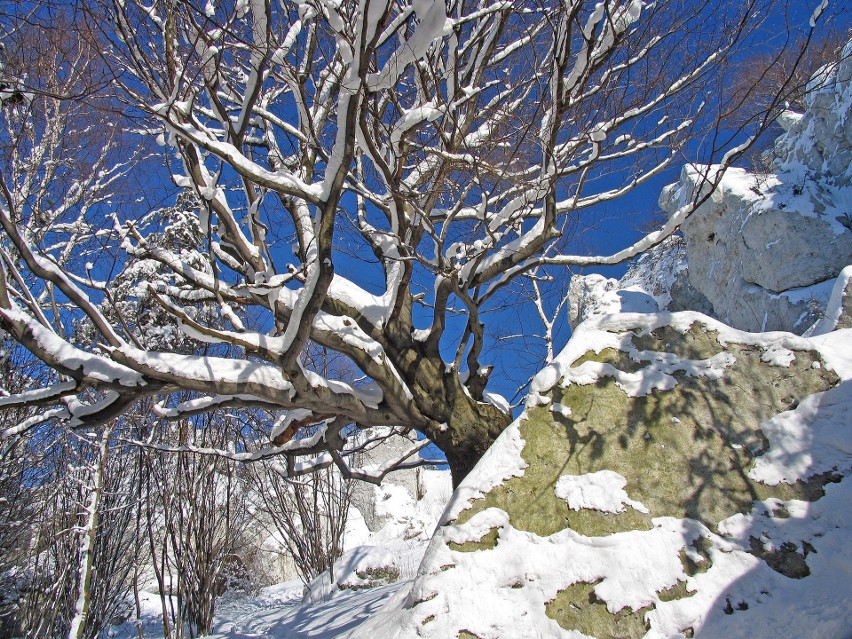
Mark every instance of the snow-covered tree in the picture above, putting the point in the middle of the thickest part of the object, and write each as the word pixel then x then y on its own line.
pixel 73 572
pixel 196 519
pixel 372 177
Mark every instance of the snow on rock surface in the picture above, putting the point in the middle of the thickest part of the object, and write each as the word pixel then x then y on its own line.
pixel 764 250
pixel 657 280
pixel 719 505
pixel 838 313
pixel 360 568
pixel 595 294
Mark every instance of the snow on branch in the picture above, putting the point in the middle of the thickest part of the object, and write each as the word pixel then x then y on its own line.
pixel 360 179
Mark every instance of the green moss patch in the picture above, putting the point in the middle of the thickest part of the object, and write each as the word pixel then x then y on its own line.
pixel 693 566
pixel 487 541
pixel 678 591
pixel 617 358
pixel 578 608
pixel 530 499
pixel 685 452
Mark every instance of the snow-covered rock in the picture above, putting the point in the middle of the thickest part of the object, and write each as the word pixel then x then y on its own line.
pixel 407 485
pixel 838 314
pixel 591 295
pixel 360 568
pixel 822 139
pixel 764 252
pixel 657 280
pixel 764 249
pixel 669 477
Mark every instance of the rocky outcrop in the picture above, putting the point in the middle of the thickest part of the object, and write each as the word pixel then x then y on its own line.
pixel 590 295
pixel 670 477
pixel 657 280
pixel 763 251
pixel 764 256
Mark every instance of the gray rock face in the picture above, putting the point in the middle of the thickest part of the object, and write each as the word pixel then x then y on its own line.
pixel 762 255
pixel 822 139
pixel 764 249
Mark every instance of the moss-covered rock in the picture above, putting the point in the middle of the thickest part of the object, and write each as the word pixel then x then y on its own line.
pixel 649 483
pixel 578 608
pixel 685 452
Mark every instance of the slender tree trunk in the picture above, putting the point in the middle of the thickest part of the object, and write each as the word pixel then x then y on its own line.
pixel 88 533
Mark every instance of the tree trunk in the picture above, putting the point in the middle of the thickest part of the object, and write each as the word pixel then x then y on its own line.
pixel 88 532
pixel 471 429
pixel 459 425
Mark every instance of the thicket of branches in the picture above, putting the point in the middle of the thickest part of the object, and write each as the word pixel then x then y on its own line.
pixel 279 232
pixel 372 178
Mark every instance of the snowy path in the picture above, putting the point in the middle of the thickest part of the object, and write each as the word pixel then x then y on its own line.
pixel 278 613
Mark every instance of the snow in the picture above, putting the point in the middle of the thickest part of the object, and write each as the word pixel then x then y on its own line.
pixel 500 462
pixel 70 357
pixel 215 370
pixel 777 355
pixel 543 566
pixel 600 332
pixel 275 612
pixel 351 572
pixel 325 610
pixel 813 438
pixel 496 399
pixel 602 490
pixel 39 394
pixel 432 25
pixel 478 590
pixel 817 13
pixel 560 409
pixel 834 306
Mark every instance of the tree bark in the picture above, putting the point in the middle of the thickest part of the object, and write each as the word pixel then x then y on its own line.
pixel 473 427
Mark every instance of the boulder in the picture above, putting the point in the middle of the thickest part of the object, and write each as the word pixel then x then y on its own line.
pixel 764 248
pixel 838 314
pixel 764 257
pixel 821 139
pixel 669 477
pixel 657 280
pixel 593 295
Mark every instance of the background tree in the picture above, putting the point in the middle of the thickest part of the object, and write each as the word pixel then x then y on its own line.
pixel 74 572
pixel 196 517
pixel 307 515
pixel 371 178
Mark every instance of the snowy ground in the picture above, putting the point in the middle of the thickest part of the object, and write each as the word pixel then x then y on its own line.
pixel 283 611
pixel 277 612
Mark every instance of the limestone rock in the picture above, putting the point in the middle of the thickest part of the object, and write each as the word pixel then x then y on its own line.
pixel 657 280
pixel 839 312
pixel 764 249
pixel 763 266
pixel 669 477
pixel 822 138
pixel 593 295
